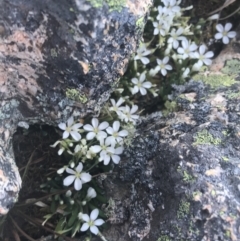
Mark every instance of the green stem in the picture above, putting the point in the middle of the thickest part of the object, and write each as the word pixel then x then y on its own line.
pixel 101 236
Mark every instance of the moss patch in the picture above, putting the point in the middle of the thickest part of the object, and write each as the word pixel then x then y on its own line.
pixel 74 94
pixel 232 67
pixel 183 210
pixel 204 137
pixel 216 80
pixel 164 238
pixel 114 5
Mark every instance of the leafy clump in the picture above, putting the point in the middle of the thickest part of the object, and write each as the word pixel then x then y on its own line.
pixel 204 137
pixel 232 67
pixel 216 80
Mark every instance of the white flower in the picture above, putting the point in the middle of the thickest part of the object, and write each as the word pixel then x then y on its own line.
pixel 129 114
pixel 78 177
pixel 91 193
pixel 61 170
pixel 162 13
pixel 116 135
pixel 142 51
pixel 162 66
pixel 187 49
pixel 91 222
pixel 104 146
pixel 203 58
pixel 115 106
pixel 140 85
pixel 160 27
pixel 213 17
pixel 172 6
pixel 224 33
pixel 96 130
pixel 107 156
pixel 176 37
pixel 70 129
pixel 186 72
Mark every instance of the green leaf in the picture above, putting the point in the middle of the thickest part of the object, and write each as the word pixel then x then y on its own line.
pixel 47 217
pixel 74 216
pixel 61 225
pixel 64 231
pixel 53 207
pixel 76 228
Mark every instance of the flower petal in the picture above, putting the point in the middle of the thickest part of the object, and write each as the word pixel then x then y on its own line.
pixel 95 148
pixel 116 125
pixel 70 171
pixel 68 180
pixel 219 27
pixel 218 36
pixel 225 40
pixel 99 222
pixel 88 127
pixel 62 126
pixel 147 84
pixel 207 61
pixel 65 134
pixel 94 214
pixel 123 133
pixel 90 135
pixel 79 167
pixel 116 159
pixel 70 121
pixel 145 60
pixel 143 91
pixel 94 230
pixel 209 54
pixel 95 122
pixel 85 177
pixel 232 34
pixel 85 226
pixel 77 184
pixel 85 218
pixel 103 125
pixel 75 135
pixel 142 77
pixel 227 27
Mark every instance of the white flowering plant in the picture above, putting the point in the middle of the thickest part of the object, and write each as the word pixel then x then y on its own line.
pixel 172 52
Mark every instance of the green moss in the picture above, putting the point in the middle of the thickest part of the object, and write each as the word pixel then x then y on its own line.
pixel 171 106
pixel 74 94
pixel 164 238
pixel 232 67
pixel 183 209
pixel 204 137
pixel 215 80
pixel 140 23
pixel 225 159
pixel 113 5
pixel 233 95
pixel 187 177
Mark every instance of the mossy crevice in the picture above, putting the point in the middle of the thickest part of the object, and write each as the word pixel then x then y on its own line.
pixel 113 5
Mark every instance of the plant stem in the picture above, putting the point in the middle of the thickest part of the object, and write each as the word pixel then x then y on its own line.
pixel 101 236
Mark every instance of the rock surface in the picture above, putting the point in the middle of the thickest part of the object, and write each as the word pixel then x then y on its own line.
pixel 59 58
pixel 180 178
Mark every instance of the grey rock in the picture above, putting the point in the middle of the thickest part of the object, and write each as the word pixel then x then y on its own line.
pixel 59 58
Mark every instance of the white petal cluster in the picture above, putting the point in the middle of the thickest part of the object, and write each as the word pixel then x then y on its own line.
pixel 96 130
pixel 125 113
pixel 71 129
pixel 203 57
pixel 142 52
pixel 140 84
pixel 162 66
pixel 77 176
pixel 224 32
pixel 91 222
pixel 188 49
